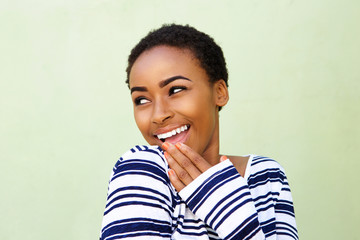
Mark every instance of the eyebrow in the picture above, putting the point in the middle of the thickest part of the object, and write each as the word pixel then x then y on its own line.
pixel 169 80
pixel 140 89
pixel 161 84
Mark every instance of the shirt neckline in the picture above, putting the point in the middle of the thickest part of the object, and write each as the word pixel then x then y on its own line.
pixel 247 170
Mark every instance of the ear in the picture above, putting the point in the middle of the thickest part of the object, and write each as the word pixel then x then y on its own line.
pixel 221 94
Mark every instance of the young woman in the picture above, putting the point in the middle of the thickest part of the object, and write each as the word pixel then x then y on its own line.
pixel 180 187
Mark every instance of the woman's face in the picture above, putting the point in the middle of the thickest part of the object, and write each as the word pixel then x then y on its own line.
pixel 173 99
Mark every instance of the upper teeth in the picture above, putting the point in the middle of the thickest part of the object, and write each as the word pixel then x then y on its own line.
pixel 172 133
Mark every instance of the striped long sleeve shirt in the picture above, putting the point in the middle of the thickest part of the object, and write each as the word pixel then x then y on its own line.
pixel 219 204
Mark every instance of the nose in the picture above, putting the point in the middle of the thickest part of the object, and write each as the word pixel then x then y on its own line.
pixel 161 112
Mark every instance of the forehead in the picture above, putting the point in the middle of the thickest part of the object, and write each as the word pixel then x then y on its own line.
pixel 162 62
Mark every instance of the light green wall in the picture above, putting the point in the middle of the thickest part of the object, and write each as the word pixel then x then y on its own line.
pixel 66 114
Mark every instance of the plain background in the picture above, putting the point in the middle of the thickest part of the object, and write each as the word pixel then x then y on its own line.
pixel 66 113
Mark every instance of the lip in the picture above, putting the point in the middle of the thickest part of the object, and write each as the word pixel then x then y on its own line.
pixel 179 137
pixel 168 129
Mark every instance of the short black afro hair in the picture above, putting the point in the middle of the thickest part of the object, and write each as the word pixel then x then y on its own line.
pixel 203 47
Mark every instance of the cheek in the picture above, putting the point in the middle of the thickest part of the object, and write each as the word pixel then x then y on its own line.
pixel 203 103
pixel 199 107
pixel 141 122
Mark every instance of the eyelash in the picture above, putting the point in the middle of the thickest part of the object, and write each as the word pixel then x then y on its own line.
pixel 172 90
pixel 137 101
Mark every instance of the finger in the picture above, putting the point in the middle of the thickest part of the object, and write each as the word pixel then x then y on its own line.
pixel 223 158
pixel 181 173
pixel 183 161
pixel 194 157
pixel 175 181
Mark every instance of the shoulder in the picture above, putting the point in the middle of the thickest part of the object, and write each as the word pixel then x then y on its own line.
pixel 142 160
pixel 264 170
pixel 150 154
pixel 141 168
pixel 260 162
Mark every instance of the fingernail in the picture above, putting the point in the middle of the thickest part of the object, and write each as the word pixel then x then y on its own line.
pixel 165 146
pixel 166 155
pixel 178 145
pixel 223 158
pixel 171 172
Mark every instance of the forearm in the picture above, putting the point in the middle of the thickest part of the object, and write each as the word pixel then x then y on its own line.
pixel 220 197
pixel 139 203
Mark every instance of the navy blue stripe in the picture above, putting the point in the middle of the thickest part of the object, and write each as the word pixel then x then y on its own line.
pixel 272 173
pixel 192 220
pixel 129 220
pixel 249 237
pixel 286 189
pixel 269 170
pixel 211 231
pixel 288 225
pixel 264 181
pixel 267 200
pixel 264 208
pixel 251 224
pixel 255 158
pixel 265 196
pixel 139 168
pixel 284 207
pixel 287 230
pixel 285 212
pixel 137 189
pixel 176 221
pixel 140 196
pixel 268 227
pixel 140 164
pixel 258 158
pixel 165 236
pixel 269 234
pixel 287 234
pixel 228 205
pixel 187 227
pixel 136 228
pixel 211 238
pixel 157 152
pixel 210 187
pixel 203 233
pixel 230 212
pixel 221 201
pixel 137 203
pixel 268 221
pixel 136 173
pixel 262 161
pixel 284 202
pixel 216 187
pixel 206 181
pixel 117 164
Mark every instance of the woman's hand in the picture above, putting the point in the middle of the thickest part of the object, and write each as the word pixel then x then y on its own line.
pixel 185 164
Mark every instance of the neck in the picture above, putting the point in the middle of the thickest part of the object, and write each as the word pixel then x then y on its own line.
pixel 211 153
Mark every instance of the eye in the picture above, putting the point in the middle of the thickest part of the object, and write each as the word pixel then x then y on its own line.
pixel 176 89
pixel 140 101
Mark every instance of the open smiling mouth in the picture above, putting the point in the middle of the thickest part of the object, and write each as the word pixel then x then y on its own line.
pixel 173 134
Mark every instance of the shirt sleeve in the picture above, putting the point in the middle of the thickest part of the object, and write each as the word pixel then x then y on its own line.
pixel 285 215
pixel 222 199
pixel 139 203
